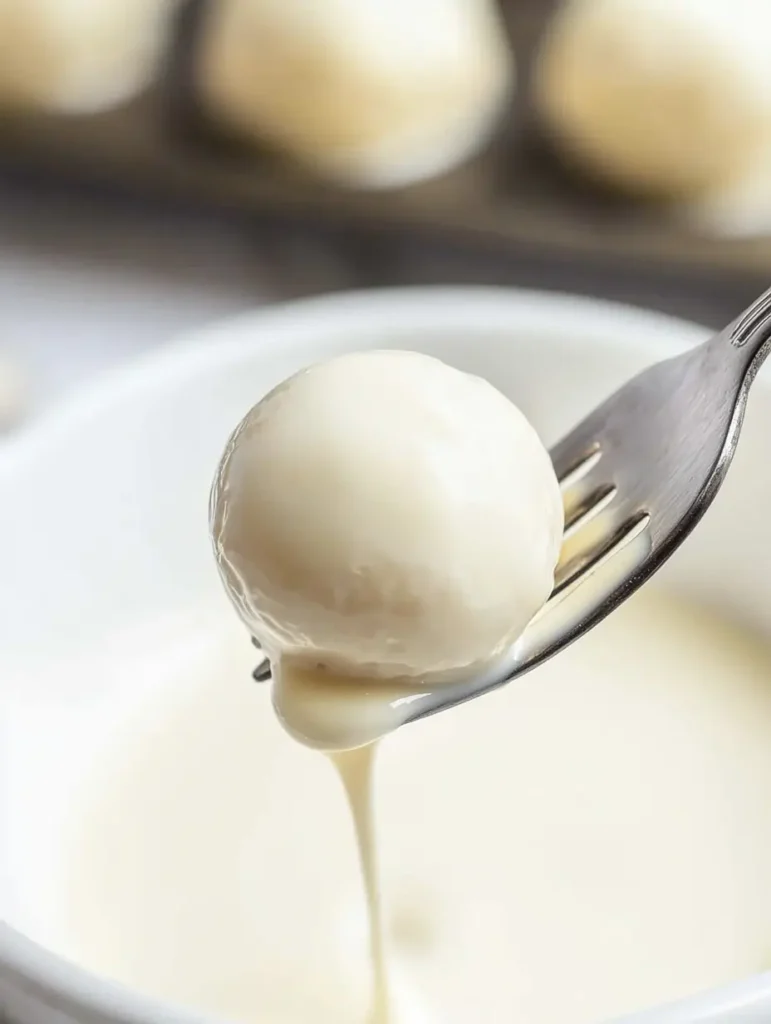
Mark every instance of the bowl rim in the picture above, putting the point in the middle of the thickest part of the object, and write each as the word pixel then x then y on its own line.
pixel 415 306
pixel 64 986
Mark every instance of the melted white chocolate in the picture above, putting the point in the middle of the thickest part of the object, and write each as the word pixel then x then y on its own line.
pixel 587 842
pixel 356 773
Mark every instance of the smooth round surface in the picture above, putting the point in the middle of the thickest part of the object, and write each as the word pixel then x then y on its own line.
pixel 79 56
pixel 385 514
pixel 665 97
pixel 368 93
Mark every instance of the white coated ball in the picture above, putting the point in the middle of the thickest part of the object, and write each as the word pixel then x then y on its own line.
pixel 79 56
pixel 386 512
pixel 373 93
pixel 668 98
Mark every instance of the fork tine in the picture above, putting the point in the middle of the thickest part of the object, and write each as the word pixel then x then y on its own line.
pixel 262 673
pixel 615 562
pixel 579 468
pixel 577 569
pixel 590 518
pixel 582 486
pixel 583 512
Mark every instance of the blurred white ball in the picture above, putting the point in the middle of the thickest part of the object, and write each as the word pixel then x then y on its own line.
pixel 79 56
pixel 667 98
pixel 373 93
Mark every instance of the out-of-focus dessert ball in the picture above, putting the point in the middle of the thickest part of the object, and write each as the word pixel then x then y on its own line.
pixel 79 56
pixel 667 98
pixel 365 92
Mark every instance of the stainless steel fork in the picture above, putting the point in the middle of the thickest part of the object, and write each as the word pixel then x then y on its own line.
pixel 636 475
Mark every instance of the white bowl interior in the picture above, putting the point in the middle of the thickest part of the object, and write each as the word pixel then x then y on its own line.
pixel 104 521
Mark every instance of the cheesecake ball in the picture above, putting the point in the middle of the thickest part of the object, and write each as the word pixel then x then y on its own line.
pixel 368 93
pixel 665 98
pixel 385 515
pixel 79 56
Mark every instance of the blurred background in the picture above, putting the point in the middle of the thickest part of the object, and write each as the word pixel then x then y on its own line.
pixel 167 162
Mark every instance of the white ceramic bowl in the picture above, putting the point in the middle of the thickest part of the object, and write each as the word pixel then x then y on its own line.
pixel 104 516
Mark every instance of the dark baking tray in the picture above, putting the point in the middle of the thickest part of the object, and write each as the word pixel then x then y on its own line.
pixel 511 216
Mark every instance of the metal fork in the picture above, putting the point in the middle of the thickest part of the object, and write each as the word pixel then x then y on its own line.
pixel 636 476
